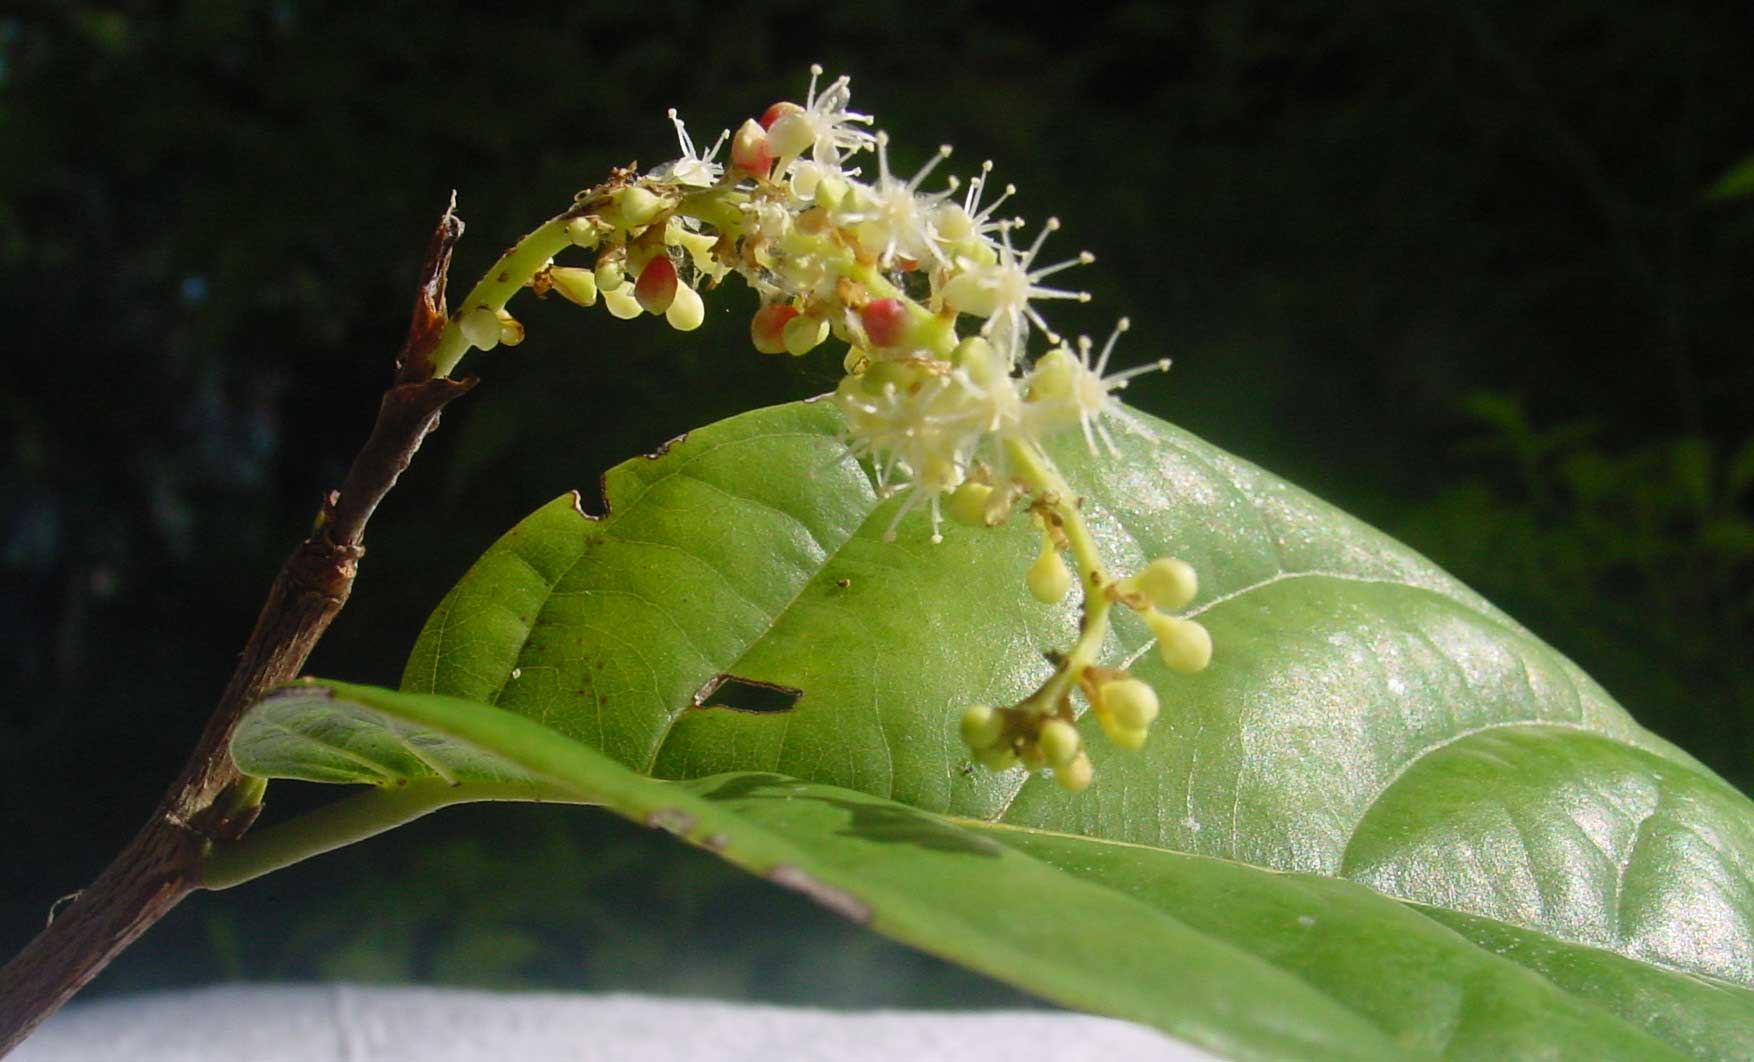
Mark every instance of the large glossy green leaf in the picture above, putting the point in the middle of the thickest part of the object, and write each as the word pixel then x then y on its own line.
pixel 1368 727
pixel 1247 962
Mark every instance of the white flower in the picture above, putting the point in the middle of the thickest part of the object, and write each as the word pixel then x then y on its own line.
pixel 823 126
pixel 918 425
pixel 1063 390
pixel 890 218
pixel 692 170
pixel 1001 292
pixel 960 223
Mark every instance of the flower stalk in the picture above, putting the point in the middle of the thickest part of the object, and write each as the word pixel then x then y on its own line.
pixel 937 299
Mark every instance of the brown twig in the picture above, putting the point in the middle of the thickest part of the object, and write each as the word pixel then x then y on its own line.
pixel 210 801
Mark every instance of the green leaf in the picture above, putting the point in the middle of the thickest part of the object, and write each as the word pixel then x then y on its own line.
pixel 1523 858
pixel 1244 961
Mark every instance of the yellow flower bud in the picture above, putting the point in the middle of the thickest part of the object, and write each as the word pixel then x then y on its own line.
pixel 981 727
pixel 1054 377
pixel 1075 776
pixel 802 334
pixel 583 233
pixel 620 301
pixel 1168 582
pixel 1184 645
pixel 511 330
pixel 984 365
pixel 1126 737
pixel 968 293
pixel 632 206
pixel 686 311
pixel 480 326
pixel 1132 703
pixel 1059 742
pixel 830 190
pixel 968 503
pixel 1048 578
pixel 608 273
pixel 575 285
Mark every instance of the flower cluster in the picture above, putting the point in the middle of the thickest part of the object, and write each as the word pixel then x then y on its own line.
pixel 937 297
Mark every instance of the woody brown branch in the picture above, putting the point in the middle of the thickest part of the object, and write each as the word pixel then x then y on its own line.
pixel 210 802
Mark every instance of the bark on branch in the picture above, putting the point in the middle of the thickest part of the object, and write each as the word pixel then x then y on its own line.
pixel 210 802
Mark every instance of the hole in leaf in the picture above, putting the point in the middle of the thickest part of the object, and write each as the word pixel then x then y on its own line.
pixel 746 695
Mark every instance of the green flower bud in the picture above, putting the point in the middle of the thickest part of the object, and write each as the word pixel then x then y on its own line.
pixel 983 364
pixel 1054 377
pixel 1132 703
pixel 830 191
pixel 1060 742
pixel 1168 582
pixel 687 310
pixel 981 727
pixel 1125 737
pixel 583 232
pixel 938 474
pixel 980 252
pixel 968 503
pixel 1075 776
pixel 608 273
pixel 969 293
pixel 631 206
pixel 480 326
pixel 1048 578
pixel 511 330
pixel 802 334
pixel 575 285
pixel 1184 645
pixel 620 301
pixel 881 374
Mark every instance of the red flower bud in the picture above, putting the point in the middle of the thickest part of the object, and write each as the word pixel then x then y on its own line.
pixel 885 321
pixel 767 329
pixel 778 111
pixel 656 287
pixel 750 152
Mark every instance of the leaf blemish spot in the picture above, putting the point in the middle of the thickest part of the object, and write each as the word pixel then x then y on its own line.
pixel 670 820
pixel 839 901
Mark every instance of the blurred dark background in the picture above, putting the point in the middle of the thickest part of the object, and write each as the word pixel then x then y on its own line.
pixel 1481 273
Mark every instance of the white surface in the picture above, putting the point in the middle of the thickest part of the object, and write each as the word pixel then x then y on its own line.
pixel 347 1024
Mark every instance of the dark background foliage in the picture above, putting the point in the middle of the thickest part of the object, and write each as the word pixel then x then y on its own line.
pixel 1459 268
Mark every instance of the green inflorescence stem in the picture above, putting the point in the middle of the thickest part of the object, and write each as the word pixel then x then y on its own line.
pixel 1037 471
pixel 513 271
